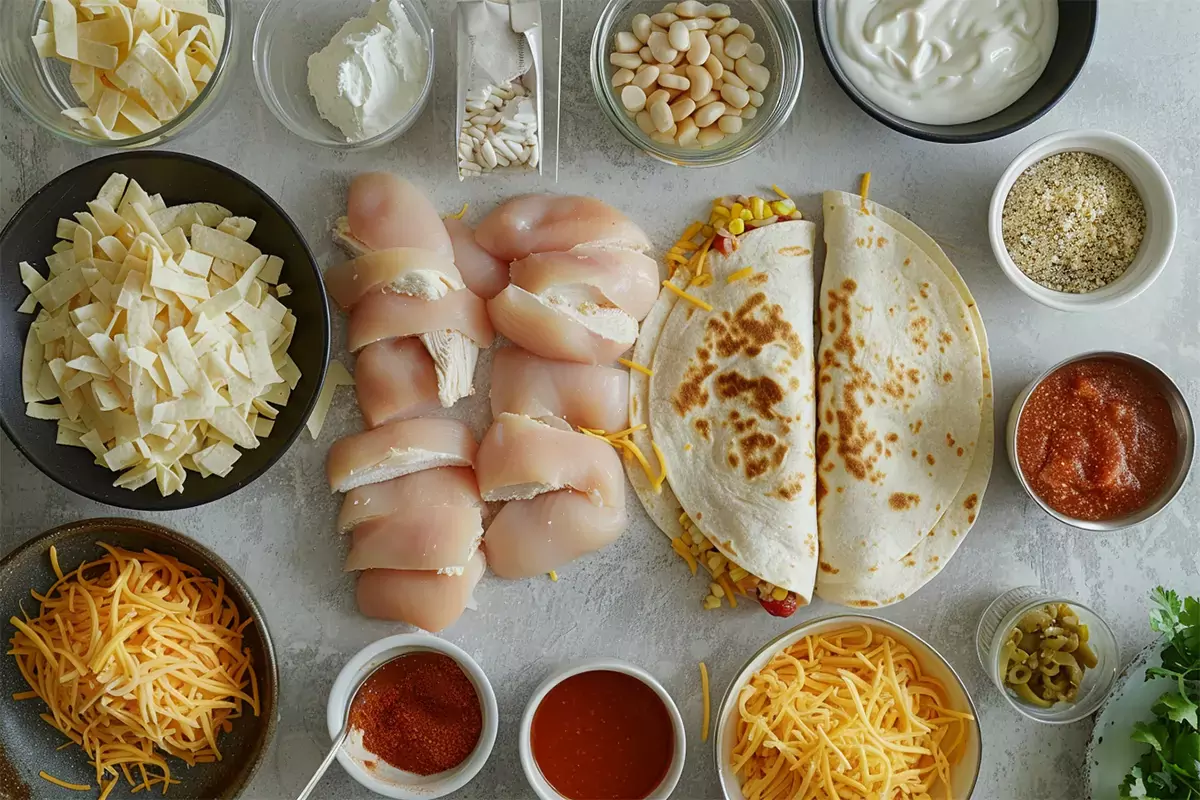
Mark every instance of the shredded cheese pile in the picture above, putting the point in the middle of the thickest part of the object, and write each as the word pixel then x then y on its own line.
pixel 136 655
pixel 729 579
pixel 846 714
pixel 624 444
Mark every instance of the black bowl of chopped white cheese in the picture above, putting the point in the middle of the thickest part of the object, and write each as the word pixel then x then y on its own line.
pixel 165 335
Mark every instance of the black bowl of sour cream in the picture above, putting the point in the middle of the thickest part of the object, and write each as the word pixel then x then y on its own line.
pixel 955 71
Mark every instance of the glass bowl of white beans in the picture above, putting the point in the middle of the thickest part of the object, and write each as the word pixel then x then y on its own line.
pixel 1066 636
pixel 697 84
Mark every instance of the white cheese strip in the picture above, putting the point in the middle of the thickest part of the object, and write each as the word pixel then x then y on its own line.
pixel 336 376
pixel 217 244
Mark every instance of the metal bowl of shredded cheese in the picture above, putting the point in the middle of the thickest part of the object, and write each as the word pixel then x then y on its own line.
pixel 848 705
pixel 171 687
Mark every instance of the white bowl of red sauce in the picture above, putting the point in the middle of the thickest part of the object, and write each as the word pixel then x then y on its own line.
pixel 422 726
pixel 602 728
pixel 1101 441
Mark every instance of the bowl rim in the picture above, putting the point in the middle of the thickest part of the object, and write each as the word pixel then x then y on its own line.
pixel 1186 438
pixel 424 27
pixel 394 646
pixel 944 134
pixel 788 31
pixel 1152 257
pixel 87 527
pixel 533 773
pixel 774 645
pixel 169 129
pixel 1069 713
pixel 179 501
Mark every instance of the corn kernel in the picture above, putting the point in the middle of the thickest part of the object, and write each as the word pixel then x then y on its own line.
pixel 736 211
pixel 716 589
pixel 783 207
pixel 711 603
pixel 737 573
pixel 737 227
pixel 721 211
pixel 779 593
pixel 747 215
pixel 756 207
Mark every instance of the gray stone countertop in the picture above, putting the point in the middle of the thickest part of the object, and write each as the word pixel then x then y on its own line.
pixel 635 600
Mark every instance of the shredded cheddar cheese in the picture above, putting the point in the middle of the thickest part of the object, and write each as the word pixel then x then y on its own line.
pixel 705 719
pixel 847 713
pixel 75 787
pixel 553 576
pixel 108 789
pixel 782 194
pixel 702 280
pixel 745 272
pixel 685 296
pixel 864 188
pixel 137 656
pixel 662 467
pixel 634 365
pixel 462 212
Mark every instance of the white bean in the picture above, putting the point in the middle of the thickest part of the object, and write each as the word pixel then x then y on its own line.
pixel 708 99
pixel 747 31
pixel 488 154
pixel 675 82
pixel 732 112
pixel 756 98
pixel 663 19
pixel 729 124
pixel 736 46
pixel 698 49
pixel 660 47
pixel 660 113
pixel 709 136
pixel 738 98
pixel 755 75
pixel 633 98
pixel 644 122
pixel 646 56
pixel 749 113
pixel 714 67
pixel 732 78
pixel 501 146
pixel 646 77
pixel 626 42
pixel 699 24
pixel 678 37
pixel 691 8
pixel 641 28
pixel 464 151
pixel 660 96
pixel 709 114
pixel 682 108
pixel 625 60
pixel 718 11
pixel 622 77
pixel 662 137
pixel 686 137
pixel 701 81
pixel 756 53
pixel 666 69
pixel 726 26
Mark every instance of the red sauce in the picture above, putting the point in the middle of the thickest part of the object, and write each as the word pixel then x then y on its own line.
pixel 603 735
pixel 1096 439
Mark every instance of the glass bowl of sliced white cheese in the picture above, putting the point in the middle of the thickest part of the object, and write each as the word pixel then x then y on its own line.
pixel 346 75
pixel 115 75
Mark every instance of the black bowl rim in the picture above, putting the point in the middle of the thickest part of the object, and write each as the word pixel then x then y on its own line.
pixel 94 525
pixel 899 125
pixel 180 501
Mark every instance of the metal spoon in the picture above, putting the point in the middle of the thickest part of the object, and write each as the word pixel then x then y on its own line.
pixel 344 733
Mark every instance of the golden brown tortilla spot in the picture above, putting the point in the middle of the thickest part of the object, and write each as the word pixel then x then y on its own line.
pixel 733 460
pixel 914 453
pixel 869 399
pixel 888 453
pixel 894 389
pixel 704 428
pixel 878 446
pixel 891 311
pixel 699 516
pixel 949 440
pixel 832 326
pixel 907 262
pixel 860 241
pixel 909 561
pixel 929 458
pixel 795 250
pixel 970 519
pixel 938 507
pixel 704 354
pixel 794 384
pixel 841 489
pixel 925 290
pixel 873 569
pixel 751 328
pixel 971 502
pixel 849 286
pixel 945 338
pixel 915 427
pixel 954 533
pixel 826 378
pixel 892 437
pixel 880 242
pixel 760 451
pixel 758 279
pixel 900 501
pixel 864 604
pixel 870 229
pixel 914 376
pixel 790 488
pixel 960 452
pixel 947 377
pixel 827 567
pixel 691 393
pixel 634 402
pixel 760 394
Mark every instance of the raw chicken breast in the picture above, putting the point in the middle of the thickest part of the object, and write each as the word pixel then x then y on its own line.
pixel 384 210
pixel 540 223
pixel 532 537
pixel 484 274
pixel 433 537
pixel 520 458
pixel 608 275
pixel 395 379
pixel 558 328
pixel 403 270
pixel 390 316
pixel 398 448
pixel 424 599
pixel 447 486
pixel 583 395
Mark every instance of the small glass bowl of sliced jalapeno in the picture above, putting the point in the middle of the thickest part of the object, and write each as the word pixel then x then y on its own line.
pixel 1054 659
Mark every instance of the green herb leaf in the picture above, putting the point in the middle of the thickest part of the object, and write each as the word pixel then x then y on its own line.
pixel 1164 617
pixel 1176 707
pixel 1187 754
pixel 1154 734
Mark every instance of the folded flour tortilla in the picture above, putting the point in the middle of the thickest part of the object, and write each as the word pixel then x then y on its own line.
pixel 905 435
pixel 731 405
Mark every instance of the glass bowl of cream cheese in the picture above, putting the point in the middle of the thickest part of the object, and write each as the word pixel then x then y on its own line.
pixel 346 75
pixel 955 71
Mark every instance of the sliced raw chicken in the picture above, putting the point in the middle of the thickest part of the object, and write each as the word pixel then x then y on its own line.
pixel 403 270
pixel 554 326
pixel 395 379
pixel 433 537
pixel 520 458
pixel 612 276
pixel 384 210
pixel 447 486
pixel 421 598
pixel 582 394
pixel 532 537
pixel 484 274
pixel 540 223
pixel 398 448
pixel 452 328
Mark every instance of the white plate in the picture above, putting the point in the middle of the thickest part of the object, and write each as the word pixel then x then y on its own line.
pixel 1111 753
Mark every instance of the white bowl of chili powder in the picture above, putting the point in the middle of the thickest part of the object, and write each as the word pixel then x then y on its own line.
pixel 1083 221
pixel 422 726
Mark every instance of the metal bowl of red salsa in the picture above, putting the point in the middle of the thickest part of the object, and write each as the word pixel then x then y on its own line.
pixel 1101 441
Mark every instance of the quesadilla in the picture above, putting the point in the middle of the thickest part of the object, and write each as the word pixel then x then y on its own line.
pixel 730 405
pixel 905 432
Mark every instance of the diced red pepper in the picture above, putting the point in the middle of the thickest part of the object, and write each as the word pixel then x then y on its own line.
pixel 723 244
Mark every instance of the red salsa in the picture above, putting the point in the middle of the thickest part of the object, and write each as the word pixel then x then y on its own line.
pixel 1096 439
pixel 420 713
pixel 603 735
